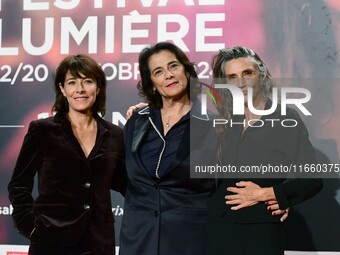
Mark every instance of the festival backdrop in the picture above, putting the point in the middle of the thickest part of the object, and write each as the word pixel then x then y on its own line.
pixel 298 39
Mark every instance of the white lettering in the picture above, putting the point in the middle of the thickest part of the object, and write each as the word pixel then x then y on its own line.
pixel 262 112
pixel 204 105
pixel 6 210
pixel 296 101
pixel 243 123
pixel 98 4
pixel 272 121
pixel 289 120
pixel 27 37
pixel 90 27
pixel 29 5
pixel 238 97
pixel 202 32
pixel 117 118
pixel 118 211
pixel 109 34
pixel 259 123
pixel 136 73
pixel 130 33
pixel 125 68
pixel 211 2
pixel 112 67
pixel 68 5
pixel 124 71
pixel 146 3
pixel 177 36
pixel 219 122
pixel 238 100
pixel 255 123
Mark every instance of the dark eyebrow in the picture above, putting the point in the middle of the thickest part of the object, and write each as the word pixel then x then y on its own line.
pixel 157 68
pixel 72 78
pixel 170 63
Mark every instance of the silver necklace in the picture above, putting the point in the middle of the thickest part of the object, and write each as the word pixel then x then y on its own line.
pixel 167 123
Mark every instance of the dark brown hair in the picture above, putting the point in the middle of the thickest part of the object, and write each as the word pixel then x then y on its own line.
pixel 80 65
pixel 145 85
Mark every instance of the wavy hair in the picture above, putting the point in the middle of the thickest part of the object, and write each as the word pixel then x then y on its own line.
pixel 145 85
pixel 218 68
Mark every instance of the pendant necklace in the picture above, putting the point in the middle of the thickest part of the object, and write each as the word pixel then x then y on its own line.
pixel 167 123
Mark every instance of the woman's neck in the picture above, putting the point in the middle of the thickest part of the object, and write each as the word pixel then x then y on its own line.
pixel 80 120
pixel 172 111
pixel 172 106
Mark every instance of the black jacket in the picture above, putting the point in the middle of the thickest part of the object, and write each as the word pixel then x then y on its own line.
pixel 74 191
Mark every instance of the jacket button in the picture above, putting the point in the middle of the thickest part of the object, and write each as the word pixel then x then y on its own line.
pixel 87 185
pixel 86 206
pixel 156 213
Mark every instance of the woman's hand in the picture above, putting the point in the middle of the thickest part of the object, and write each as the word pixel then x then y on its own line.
pixel 247 194
pixel 274 207
pixel 133 108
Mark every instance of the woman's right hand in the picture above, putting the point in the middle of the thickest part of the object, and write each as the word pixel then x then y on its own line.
pixel 133 108
pixel 274 207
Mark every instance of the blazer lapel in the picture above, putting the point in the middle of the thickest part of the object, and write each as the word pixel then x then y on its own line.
pixel 98 148
pixel 141 126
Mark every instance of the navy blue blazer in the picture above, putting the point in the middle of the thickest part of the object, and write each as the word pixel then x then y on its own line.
pixel 166 215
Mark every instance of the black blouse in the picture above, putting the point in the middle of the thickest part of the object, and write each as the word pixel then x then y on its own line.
pixel 158 151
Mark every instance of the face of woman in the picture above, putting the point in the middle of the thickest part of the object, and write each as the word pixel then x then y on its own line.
pixel 168 75
pixel 243 73
pixel 81 93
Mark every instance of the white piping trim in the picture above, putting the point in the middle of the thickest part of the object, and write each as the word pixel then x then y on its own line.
pixel 162 151
pixel 144 111
pixel 200 118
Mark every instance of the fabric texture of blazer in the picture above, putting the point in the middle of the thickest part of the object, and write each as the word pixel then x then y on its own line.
pixel 74 190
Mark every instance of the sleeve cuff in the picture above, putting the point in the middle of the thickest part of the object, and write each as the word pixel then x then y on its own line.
pixel 280 195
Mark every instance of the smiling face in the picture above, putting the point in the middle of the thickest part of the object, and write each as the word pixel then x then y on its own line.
pixel 81 93
pixel 243 73
pixel 168 75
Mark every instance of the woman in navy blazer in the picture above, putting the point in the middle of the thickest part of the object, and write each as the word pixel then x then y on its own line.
pixel 165 210
pixel 78 157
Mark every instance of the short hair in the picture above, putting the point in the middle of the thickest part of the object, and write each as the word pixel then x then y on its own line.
pixel 80 65
pixel 145 85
